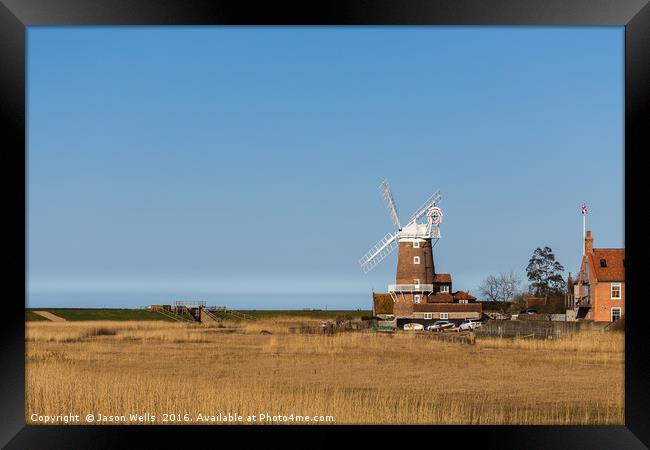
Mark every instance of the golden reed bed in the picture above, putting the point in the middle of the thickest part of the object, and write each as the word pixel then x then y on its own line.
pixel 178 371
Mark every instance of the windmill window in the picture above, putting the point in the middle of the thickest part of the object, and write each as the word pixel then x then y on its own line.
pixel 417 299
pixel 416 244
pixel 603 263
pixel 416 260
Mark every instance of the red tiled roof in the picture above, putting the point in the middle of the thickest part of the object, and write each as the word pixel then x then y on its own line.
pixel 442 278
pixel 447 307
pixel 614 270
pixel 440 297
pixel 462 295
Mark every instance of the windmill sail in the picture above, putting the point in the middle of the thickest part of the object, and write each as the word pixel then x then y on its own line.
pixel 378 252
pixel 433 200
pixel 412 230
pixel 390 203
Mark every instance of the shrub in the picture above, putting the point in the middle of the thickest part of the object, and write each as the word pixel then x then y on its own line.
pixel 343 318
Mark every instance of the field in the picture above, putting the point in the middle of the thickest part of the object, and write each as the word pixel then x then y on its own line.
pixel 182 370
pixel 83 314
pixel 312 314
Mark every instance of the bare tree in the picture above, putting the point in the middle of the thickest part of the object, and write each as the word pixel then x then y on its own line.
pixel 500 288
pixel 509 285
pixel 489 288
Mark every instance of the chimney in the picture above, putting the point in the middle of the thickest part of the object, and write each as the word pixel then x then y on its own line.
pixel 589 243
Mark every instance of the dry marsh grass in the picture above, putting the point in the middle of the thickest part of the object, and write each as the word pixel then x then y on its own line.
pixel 163 367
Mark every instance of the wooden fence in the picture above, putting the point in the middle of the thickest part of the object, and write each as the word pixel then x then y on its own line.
pixel 332 327
pixel 534 329
pixel 465 337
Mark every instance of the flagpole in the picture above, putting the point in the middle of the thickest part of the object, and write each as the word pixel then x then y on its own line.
pixel 584 217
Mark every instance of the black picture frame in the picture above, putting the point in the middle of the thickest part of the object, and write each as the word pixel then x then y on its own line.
pixel 17 15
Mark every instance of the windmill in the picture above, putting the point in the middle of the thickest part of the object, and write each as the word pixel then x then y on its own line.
pixel 415 269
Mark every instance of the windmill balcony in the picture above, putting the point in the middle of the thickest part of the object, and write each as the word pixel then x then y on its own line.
pixel 410 287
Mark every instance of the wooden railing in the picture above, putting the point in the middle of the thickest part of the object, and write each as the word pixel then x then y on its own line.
pixel 240 315
pixel 171 315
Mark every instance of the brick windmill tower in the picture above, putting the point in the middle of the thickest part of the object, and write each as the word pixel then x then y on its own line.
pixel 415 269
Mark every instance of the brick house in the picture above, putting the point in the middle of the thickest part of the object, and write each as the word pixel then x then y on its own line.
pixel 599 290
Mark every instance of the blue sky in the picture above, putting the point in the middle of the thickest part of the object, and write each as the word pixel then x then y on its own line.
pixel 241 164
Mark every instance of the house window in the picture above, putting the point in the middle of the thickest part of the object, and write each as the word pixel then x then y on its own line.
pixel 444 289
pixel 428 315
pixel 444 315
pixel 416 260
pixel 616 314
pixel 417 299
pixel 416 244
pixel 616 291
pixel 603 263
pixel 462 300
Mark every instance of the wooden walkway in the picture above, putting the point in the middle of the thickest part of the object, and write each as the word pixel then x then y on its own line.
pixel 50 316
pixel 207 316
